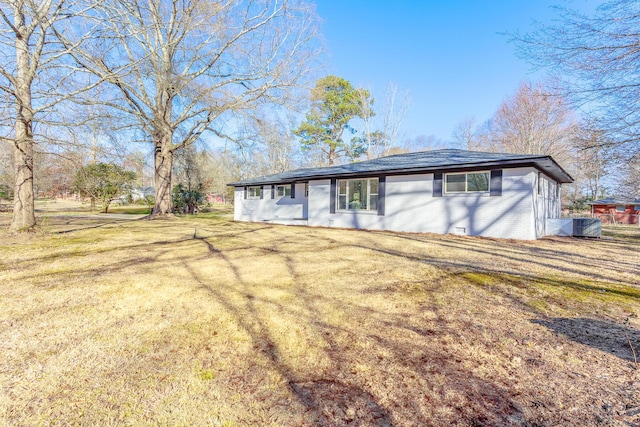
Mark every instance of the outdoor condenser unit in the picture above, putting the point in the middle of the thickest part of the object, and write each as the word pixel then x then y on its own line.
pixel 587 227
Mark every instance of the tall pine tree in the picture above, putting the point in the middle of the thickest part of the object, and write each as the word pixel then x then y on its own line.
pixel 334 103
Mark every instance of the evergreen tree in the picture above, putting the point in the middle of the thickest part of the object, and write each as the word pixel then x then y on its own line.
pixel 334 103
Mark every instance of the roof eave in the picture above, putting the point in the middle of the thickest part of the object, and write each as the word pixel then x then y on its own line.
pixel 545 164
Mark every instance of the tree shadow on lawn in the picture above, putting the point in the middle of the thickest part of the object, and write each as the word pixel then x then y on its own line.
pixel 328 402
pixel 620 340
pixel 414 377
pixel 333 403
pixel 628 234
pixel 410 376
pixel 487 402
pixel 520 279
pixel 527 252
pixel 80 222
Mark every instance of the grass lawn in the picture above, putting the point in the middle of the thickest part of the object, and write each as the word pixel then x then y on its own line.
pixel 198 321
pixel 130 209
pixel 58 207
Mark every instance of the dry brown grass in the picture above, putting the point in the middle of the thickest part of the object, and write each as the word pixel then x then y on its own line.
pixel 203 321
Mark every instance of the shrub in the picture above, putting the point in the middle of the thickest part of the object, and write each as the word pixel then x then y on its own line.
pixel 187 200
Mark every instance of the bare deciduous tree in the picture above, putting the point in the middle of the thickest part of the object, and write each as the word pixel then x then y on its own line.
pixel 182 68
pixel 35 80
pixel 629 179
pixel 395 108
pixel 596 56
pixel 138 161
pixel 532 122
pixel 223 166
pixel 6 171
pixel 273 144
pixel 592 161
pixel 26 25
pixel 468 135
pixel 363 98
pixel 381 130
pixel 422 143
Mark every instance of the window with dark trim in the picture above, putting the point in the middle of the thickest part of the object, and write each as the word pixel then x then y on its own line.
pixel 283 190
pixel 539 183
pixel 621 208
pixel 358 194
pixel 254 192
pixel 470 182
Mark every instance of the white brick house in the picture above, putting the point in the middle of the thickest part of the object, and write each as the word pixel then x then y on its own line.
pixel 442 191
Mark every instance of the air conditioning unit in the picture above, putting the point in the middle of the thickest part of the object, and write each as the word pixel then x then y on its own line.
pixel 559 227
pixel 587 227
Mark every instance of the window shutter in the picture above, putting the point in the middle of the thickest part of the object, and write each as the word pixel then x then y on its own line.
pixel 437 184
pixel 273 191
pixel 246 190
pixel 382 180
pixel 261 191
pixel 495 186
pixel 293 190
pixel 332 196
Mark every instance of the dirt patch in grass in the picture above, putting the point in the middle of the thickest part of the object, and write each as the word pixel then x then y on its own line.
pixel 203 321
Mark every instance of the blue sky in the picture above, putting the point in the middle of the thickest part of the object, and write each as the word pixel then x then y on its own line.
pixel 450 55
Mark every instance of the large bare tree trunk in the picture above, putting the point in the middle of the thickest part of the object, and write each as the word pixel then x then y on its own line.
pixel 24 218
pixel 163 167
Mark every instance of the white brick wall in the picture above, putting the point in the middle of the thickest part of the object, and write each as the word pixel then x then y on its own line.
pixel 547 203
pixel 410 206
pixel 283 209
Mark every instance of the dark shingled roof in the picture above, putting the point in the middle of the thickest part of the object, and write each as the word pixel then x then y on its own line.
pixel 612 201
pixel 418 162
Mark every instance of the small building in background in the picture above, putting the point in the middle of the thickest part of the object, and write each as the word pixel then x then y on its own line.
pixel 616 211
pixel 142 192
pixel 216 198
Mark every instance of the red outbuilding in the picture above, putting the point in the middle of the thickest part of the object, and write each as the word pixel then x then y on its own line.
pixel 616 211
